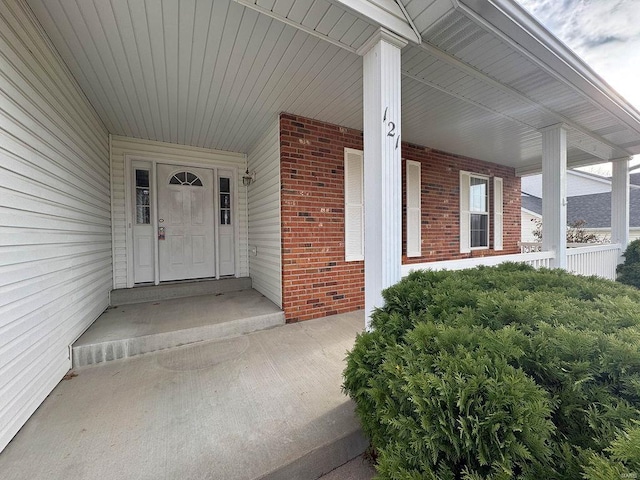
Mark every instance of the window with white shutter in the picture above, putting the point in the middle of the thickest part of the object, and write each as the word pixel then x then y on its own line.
pixel 413 214
pixel 497 213
pixel 353 205
pixel 474 212
pixel 465 236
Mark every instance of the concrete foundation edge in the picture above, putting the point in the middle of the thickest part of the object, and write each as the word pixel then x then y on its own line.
pixel 323 459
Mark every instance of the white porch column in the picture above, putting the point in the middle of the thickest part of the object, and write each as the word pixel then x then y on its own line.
pixel 382 167
pixel 620 202
pixel 554 193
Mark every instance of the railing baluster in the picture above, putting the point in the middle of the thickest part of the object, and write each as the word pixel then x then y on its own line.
pixel 597 260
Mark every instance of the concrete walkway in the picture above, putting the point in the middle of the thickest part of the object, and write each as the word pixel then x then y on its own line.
pixel 263 405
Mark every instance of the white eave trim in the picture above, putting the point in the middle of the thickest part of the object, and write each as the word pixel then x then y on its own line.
pixel 387 14
pixel 511 22
pixel 531 212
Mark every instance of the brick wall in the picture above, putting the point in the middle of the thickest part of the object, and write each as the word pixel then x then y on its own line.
pixel 440 184
pixel 316 279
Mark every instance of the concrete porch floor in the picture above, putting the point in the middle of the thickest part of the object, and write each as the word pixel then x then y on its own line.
pixel 262 405
pixel 128 330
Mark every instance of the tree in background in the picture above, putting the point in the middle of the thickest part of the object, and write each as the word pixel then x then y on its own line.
pixel 576 233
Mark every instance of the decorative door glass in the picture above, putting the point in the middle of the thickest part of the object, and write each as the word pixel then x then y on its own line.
pixel 225 200
pixel 143 212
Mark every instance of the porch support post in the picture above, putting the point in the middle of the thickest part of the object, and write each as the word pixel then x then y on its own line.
pixel 382 167
pixel 620 202
pixel 554 195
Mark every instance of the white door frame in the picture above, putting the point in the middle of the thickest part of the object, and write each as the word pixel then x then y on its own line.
pixel 128 191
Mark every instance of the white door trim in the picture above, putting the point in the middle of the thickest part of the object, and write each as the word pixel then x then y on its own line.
pixel 154 161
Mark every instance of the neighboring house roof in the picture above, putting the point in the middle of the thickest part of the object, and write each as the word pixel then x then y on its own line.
pixel 578 183
pixel 634 179
pixel 594 209
pixel 531 203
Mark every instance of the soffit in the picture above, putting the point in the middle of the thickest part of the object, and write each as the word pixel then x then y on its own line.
pixel 203 73
pixel 499 65
pixel 215 73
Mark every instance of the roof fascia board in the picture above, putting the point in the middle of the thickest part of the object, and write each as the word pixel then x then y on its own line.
pixel 536 168
pixel 590 176
pixel 533 40
pixel 523 32
pixel 385 13
pixel 531 212
pixel 445 57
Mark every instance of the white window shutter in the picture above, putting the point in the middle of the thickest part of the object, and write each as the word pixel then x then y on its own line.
pixel 414 216
pixel 498 203
pixel 465 217
pixel 353 205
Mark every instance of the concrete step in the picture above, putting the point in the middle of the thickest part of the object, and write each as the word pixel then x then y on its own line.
pixel 360 468
pixel 166 291
pixel 129 330
pixel 324 459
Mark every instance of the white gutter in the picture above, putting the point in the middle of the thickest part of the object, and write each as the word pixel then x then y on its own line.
pixel 519 29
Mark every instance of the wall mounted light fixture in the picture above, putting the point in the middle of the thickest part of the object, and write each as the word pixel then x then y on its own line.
pixel 248 178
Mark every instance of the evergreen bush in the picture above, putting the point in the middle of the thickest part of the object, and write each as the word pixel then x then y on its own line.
pixel 629 271
pixel 499 373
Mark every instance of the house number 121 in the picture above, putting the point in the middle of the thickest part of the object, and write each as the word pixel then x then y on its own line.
pixel 391 132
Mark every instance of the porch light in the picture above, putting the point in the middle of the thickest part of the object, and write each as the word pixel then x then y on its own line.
pixel 248 178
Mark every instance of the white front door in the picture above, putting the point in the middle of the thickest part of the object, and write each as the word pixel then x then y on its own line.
pixel 185 223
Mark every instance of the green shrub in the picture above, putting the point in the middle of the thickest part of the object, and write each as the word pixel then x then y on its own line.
pixel 629 271
pixel 498 373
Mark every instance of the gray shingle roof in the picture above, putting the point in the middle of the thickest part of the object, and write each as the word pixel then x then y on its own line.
pixel 594 209
pixel 531 203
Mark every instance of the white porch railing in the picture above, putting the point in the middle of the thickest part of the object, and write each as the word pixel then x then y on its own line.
pixel 529 247
pixel 600 260
pixel 536 260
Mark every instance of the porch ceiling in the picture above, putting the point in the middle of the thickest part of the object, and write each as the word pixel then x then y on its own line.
pixel 215 73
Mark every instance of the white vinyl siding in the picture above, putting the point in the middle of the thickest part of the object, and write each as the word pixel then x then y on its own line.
pixel 265 268
pixel 353 205
pixel 498 222
pixel 55 225
pixel 149 150
pixel 414 215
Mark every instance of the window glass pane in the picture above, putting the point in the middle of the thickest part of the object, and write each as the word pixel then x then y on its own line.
pixel 142 178
pixel 142 193
pixel 225 200
pixel 185 178
pixel 142 196
pixel 478 195
pixel 224 184
pixel 143 215
pixel 479 230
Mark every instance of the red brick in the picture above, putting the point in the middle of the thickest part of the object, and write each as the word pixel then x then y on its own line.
pixel 316 279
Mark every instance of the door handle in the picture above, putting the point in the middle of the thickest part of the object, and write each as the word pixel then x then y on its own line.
pixel 161 234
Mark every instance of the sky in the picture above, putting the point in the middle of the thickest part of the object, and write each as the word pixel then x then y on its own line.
pixel 604 33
